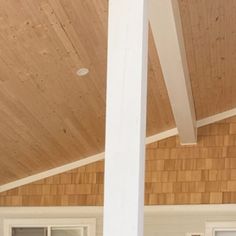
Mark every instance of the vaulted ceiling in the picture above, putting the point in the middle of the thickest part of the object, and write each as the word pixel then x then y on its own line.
pixel 49 116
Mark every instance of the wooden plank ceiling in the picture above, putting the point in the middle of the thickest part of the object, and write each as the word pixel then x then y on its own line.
pixel 210 35
pixel 49 116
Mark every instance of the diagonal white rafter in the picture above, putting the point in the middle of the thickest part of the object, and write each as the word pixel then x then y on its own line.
pixel 167 30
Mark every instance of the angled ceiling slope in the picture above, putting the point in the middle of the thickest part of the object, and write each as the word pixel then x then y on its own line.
pixel 210 35
pixel 50 116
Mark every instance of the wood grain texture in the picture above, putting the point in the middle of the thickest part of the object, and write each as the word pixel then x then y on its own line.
pixel 48 115
pixel 210 34
pixel 201 174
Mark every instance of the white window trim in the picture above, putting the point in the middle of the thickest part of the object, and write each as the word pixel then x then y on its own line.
pixel 212 227
pixel 49 222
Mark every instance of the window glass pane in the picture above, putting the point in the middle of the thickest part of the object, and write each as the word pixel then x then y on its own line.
pixel 68 231
pixel 29 231
pixel 225 233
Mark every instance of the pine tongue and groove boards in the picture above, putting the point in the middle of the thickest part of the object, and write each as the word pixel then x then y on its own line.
pixel 49 116
pixel 210 35
pixel 51 112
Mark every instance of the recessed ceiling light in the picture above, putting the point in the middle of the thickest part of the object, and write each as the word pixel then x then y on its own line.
pixel 82 71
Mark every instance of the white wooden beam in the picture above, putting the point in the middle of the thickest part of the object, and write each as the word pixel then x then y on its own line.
pixel 167 30
pixel 126 118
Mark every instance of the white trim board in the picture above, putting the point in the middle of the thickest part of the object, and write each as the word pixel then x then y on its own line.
pixel 77 164
pixel 163 135
pixel 89 160
pixel 217 117
pixel 52 172
pixel 96 210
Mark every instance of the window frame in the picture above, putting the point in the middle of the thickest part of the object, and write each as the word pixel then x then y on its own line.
pixel 49 223
pixel 213 227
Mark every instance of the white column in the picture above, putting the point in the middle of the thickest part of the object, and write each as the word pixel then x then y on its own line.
pixel 126 118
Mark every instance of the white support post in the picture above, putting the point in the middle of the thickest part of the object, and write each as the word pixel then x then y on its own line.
pixel 126 118
pixel 167 30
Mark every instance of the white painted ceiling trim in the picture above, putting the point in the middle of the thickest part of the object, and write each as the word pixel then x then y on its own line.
pixel 99 157
pixel 77 164
pixel 52 172
pixel 217 117
pixel 171 50
pixel 163 135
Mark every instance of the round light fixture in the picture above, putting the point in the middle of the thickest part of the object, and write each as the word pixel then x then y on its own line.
pixel 82 72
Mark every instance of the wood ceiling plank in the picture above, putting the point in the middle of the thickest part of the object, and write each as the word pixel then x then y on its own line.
pixel 58 94
pixel 55 116
pixel 210 35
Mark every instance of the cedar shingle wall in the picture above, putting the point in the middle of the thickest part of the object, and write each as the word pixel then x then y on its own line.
pixel 201 174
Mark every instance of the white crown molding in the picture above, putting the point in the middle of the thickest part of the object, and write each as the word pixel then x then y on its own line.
pixel 100 156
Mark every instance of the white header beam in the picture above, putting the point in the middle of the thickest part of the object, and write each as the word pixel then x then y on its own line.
pixel 126 118
pixel 167 30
